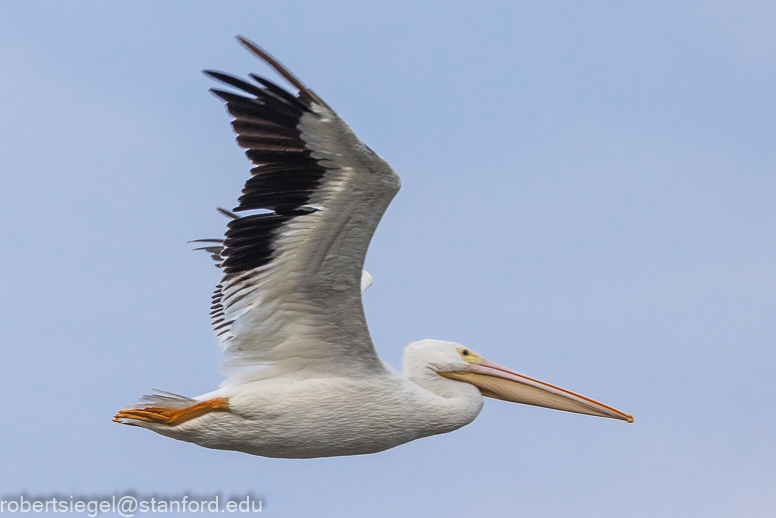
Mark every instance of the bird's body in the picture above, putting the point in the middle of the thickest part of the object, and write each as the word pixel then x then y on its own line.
pixel 295 416
pixel 304 379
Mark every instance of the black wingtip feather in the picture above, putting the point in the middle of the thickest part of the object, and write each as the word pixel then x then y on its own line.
pixel 285 177
pixel 236 82
pixel 304 92
pixel 228 213
pixel 279 91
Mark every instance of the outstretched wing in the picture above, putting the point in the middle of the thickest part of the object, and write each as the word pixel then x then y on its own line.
pixel 290 297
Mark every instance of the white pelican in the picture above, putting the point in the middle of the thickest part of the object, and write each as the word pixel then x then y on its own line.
pixel 304 379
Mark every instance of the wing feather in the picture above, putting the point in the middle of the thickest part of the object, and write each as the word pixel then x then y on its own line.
pixel 290 297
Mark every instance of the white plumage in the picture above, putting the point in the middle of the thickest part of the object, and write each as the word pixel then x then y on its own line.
pixel 303 378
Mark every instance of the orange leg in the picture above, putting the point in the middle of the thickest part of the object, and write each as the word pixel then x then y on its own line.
pixel 174 416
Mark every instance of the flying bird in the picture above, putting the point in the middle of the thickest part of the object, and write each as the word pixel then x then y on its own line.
pixel 303 377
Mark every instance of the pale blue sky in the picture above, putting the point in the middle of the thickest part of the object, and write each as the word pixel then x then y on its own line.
pixel 588 197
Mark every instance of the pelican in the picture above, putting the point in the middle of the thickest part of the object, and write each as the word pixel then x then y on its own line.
pixel 303 377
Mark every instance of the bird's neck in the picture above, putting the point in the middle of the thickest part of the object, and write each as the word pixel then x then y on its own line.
pixel 450 404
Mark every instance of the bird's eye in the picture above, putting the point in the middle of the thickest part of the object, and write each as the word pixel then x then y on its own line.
pixel 468 355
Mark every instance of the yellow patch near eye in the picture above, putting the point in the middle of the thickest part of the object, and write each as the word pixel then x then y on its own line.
pixel 469 355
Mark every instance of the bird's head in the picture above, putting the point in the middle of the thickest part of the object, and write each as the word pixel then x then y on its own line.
pixel 429 359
